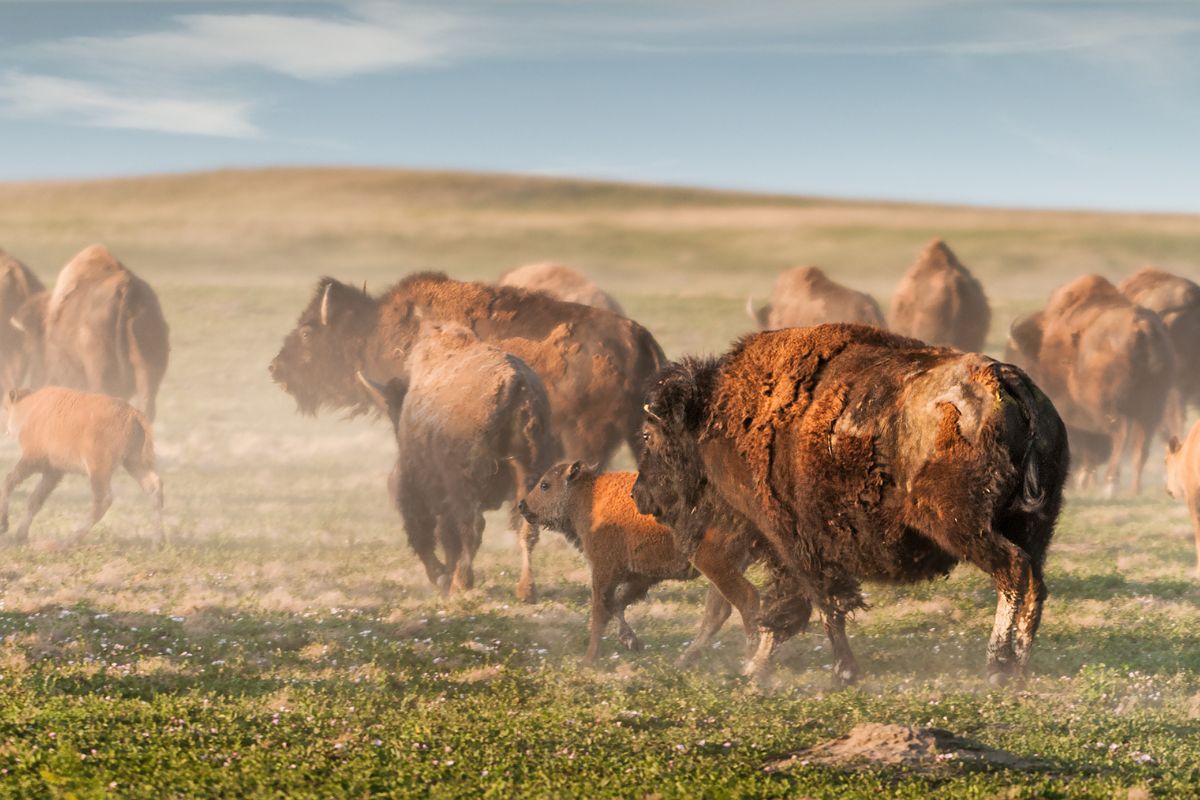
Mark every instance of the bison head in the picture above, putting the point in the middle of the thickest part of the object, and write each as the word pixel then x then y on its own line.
pixel 317 362
pixel 671 475
pixel 549 501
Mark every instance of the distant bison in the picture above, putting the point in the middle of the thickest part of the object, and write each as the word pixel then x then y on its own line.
pixel 593 363
pixel 941 303
pixel 1107 364
pixel 62 430
pixel 630 552
pixel 17 284
pixel 561 282
pixel 806 296
pixel 100 329
pixel 1176 300
pixel 861 455
pixel 472 426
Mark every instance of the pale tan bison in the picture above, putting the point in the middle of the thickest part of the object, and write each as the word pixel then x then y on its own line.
pixel 1176 300
pixel 100 329
pixel 806 296
pixel 17 285
pixel 940 302
pixel 1107 364
pixel 561 282
pixel 62 430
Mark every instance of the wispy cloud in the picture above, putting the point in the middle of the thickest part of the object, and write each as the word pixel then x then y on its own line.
pixel 92 105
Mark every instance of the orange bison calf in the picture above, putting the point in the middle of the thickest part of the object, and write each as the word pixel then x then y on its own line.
pixel 630 552
pixel 1183 478
pixel 62 430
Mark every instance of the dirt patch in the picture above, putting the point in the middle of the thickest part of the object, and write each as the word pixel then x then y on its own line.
pixel 919 749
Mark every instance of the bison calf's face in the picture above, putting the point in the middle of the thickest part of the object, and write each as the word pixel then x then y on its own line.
pixel 1176 486
pixel 548 502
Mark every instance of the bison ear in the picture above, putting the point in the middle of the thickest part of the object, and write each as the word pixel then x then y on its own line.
pixel 1174 445
pixel 14 395
pixel 573 471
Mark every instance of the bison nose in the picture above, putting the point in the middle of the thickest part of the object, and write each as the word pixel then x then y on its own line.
pixel 522 507
pixel 272 369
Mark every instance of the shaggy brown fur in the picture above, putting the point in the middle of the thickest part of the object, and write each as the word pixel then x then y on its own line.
pixel 940 302
pixel 1183 478
pixel 1107 364
pixel 472 425
pixel 806 296
pixel 562 283
pixel 1176 300
pixel 61 430
pixel 594 364
pixel 103 330
pixel 630 552
pixel 17 284
pixel 862 455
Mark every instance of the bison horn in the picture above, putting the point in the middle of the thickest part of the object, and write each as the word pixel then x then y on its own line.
pixel 374 390
pixel 651 414
pixel 325 305
pixel 16 323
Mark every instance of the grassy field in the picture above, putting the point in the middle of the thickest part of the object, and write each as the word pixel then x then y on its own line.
pixel 288 644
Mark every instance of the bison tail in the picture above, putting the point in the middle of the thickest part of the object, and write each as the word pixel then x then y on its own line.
pixel 139 448
pixel 1033 494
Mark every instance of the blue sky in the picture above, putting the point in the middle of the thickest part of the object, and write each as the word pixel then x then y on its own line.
pixel 1045 104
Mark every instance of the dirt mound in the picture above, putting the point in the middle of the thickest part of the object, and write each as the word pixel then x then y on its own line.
pixel 920 749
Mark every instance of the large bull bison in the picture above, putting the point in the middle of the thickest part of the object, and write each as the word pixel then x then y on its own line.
pixel 100 329
pixel 561 282
pixel 806 296
pixel 859 455
pixel 940 302
pixel 17 284
pixel 472 425
pixel 1107 364
pixel 1176 300
pixel 594 364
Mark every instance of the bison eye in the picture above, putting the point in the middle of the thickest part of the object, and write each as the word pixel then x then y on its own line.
pixel 645 436
pixel 304 334
pixel 545 486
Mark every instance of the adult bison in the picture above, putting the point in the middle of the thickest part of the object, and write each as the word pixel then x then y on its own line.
pixel 806 296
pixel 1107 364
pixel 473 428
pixel 940 302
pixel 101 329
pixel 593 363
pixel 17 284
pixel 859 455
pixel 561 282
pixel 1176 300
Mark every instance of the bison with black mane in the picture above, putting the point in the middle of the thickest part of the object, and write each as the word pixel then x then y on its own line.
pixel 860 455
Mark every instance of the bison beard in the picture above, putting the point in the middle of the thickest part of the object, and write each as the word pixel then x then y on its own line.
pixel 861 455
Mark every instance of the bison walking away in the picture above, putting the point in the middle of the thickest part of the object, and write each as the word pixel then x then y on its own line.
pixel 594 364
pixel 17 284
pixel 1176 300
pixel 806 296
pixel 472 425
pixel 1107 364
pixel 100 329
pixel 562 283
pixel 940 302
pixel 860 455
pixel 60 431
pixel 630 552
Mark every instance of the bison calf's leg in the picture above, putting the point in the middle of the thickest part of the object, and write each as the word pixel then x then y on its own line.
pixel 101 501
pixel 602 597
pixel 50 480
pixel 627 594
pixel 19 474
pixel 724 564
pixel 716 610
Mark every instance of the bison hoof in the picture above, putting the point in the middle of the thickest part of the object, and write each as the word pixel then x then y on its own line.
pixel 632 642
pixel 844 676
pixel 998 679
pixel 527 592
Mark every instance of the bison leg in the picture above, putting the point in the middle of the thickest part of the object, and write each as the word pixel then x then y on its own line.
pixel 1029 617
pixel 845 666
pixel 50 480
pixel 458 538
pixel 1113 473
pixel 101 501
pixel 527 538
pixel 420 525
pixel 780 619
pixel 716 610
pixel 1140 446
pixel 602 598
pixel 627 594
pixel 19 474
pixel 152 485
pixel 724 569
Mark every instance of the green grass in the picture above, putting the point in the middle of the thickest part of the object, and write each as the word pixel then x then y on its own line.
pixel 288 644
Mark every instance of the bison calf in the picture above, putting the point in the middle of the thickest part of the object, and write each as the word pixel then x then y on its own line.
pixel 630 552
pixel 60 431
pixel 1183 478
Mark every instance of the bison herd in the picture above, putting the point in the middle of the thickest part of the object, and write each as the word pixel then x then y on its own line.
pixel 833 447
